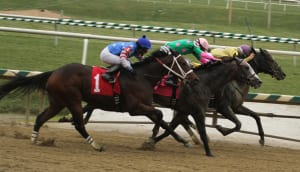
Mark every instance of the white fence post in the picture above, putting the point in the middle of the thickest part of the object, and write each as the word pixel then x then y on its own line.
pixel 269 14
pixel 84 51
pixel 295 57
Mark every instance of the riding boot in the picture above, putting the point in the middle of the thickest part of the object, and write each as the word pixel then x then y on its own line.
pixel 110 73
pixel 171 80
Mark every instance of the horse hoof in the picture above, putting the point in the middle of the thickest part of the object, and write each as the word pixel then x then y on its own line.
pixel 210 155
pixel 101 149
pixel 262 142
pixel 188 145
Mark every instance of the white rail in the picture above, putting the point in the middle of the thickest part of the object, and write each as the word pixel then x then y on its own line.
pixel 112 38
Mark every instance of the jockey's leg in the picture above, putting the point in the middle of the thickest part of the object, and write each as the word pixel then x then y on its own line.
pixel 109 75
pixel 171 80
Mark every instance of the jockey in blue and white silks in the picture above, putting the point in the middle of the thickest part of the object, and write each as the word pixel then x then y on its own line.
pixel 118 53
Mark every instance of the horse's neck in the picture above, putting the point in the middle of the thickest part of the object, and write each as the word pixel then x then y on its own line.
pixel 151 73
pixel 254 63
pixel 241 87
pixel 218 77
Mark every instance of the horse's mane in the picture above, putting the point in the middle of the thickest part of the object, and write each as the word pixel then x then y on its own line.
pixel 150 58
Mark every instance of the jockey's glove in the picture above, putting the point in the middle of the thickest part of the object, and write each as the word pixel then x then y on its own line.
pixel 166 50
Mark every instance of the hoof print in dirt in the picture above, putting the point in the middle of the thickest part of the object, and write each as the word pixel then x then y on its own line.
pixel 48 142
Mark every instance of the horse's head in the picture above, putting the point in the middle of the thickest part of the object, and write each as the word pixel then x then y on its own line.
pixel 176 64
pixel 247 73
pixel 264 62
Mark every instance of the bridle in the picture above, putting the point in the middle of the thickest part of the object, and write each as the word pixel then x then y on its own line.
pixel 241 62
pixel 182 73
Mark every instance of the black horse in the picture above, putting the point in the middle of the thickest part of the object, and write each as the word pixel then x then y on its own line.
pixel 69 85
pixel 229 100
pixel 212 79
pixel 194 96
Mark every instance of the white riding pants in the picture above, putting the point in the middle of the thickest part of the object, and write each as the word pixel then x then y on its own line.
pixel 109 58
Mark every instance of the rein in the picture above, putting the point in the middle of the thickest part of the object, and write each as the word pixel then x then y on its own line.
pixel 182 74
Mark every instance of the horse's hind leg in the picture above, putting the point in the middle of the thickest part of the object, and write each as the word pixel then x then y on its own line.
pixel 245 111
pixel 48 113
pixel 88 110
pixel 77 114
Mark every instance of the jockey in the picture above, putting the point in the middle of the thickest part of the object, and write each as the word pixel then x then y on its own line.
pixel 198 47
pixel 117 54
pixel 243 51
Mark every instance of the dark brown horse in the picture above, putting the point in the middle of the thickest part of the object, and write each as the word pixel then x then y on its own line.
pixel 69 85
pixel 194 96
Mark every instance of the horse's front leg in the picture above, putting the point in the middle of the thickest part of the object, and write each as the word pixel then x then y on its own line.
pixel 245 111
pixel 228 113
pixel 156 116
pixel 177 119
pixel 200 122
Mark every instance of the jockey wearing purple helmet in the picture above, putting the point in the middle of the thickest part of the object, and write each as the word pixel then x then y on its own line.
pixel 243 51
pixel 117 54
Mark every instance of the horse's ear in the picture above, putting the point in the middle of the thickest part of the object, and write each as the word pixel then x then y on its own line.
pixel 253 50
pixel 262 51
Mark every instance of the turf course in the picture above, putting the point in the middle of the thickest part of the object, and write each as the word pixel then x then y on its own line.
pixel 36 52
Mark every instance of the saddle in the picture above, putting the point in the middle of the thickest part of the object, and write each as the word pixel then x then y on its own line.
pixel 101 86
pixel 162 89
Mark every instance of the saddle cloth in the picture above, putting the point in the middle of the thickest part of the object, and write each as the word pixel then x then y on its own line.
pixel 102 87
pixel 165 90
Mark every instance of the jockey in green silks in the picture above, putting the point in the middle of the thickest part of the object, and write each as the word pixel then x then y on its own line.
pixel 198 47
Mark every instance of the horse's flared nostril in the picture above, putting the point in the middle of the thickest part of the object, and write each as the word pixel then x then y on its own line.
pixel 259 83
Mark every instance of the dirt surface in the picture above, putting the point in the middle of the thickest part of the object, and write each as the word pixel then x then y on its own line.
pixel 36 13
pixel 62 149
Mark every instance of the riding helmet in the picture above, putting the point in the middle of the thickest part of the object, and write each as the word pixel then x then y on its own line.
pixel 246 49
pixel 202 42
pixel 144 42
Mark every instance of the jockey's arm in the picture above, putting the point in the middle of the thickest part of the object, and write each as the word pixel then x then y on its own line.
pixel 124 55
pixel 125 52
pixel 250 57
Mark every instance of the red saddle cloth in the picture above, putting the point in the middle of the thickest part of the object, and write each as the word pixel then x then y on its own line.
pixel 165 90
pixel 101 86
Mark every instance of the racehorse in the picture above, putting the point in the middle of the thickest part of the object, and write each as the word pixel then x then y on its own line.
pixel 212 79
pixel 229 100
pixel 70 84
pixel 194 96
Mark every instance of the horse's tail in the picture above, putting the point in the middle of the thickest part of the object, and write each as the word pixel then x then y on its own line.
pixel 22 84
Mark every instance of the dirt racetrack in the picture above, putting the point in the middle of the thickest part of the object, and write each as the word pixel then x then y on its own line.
pixel 70 152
